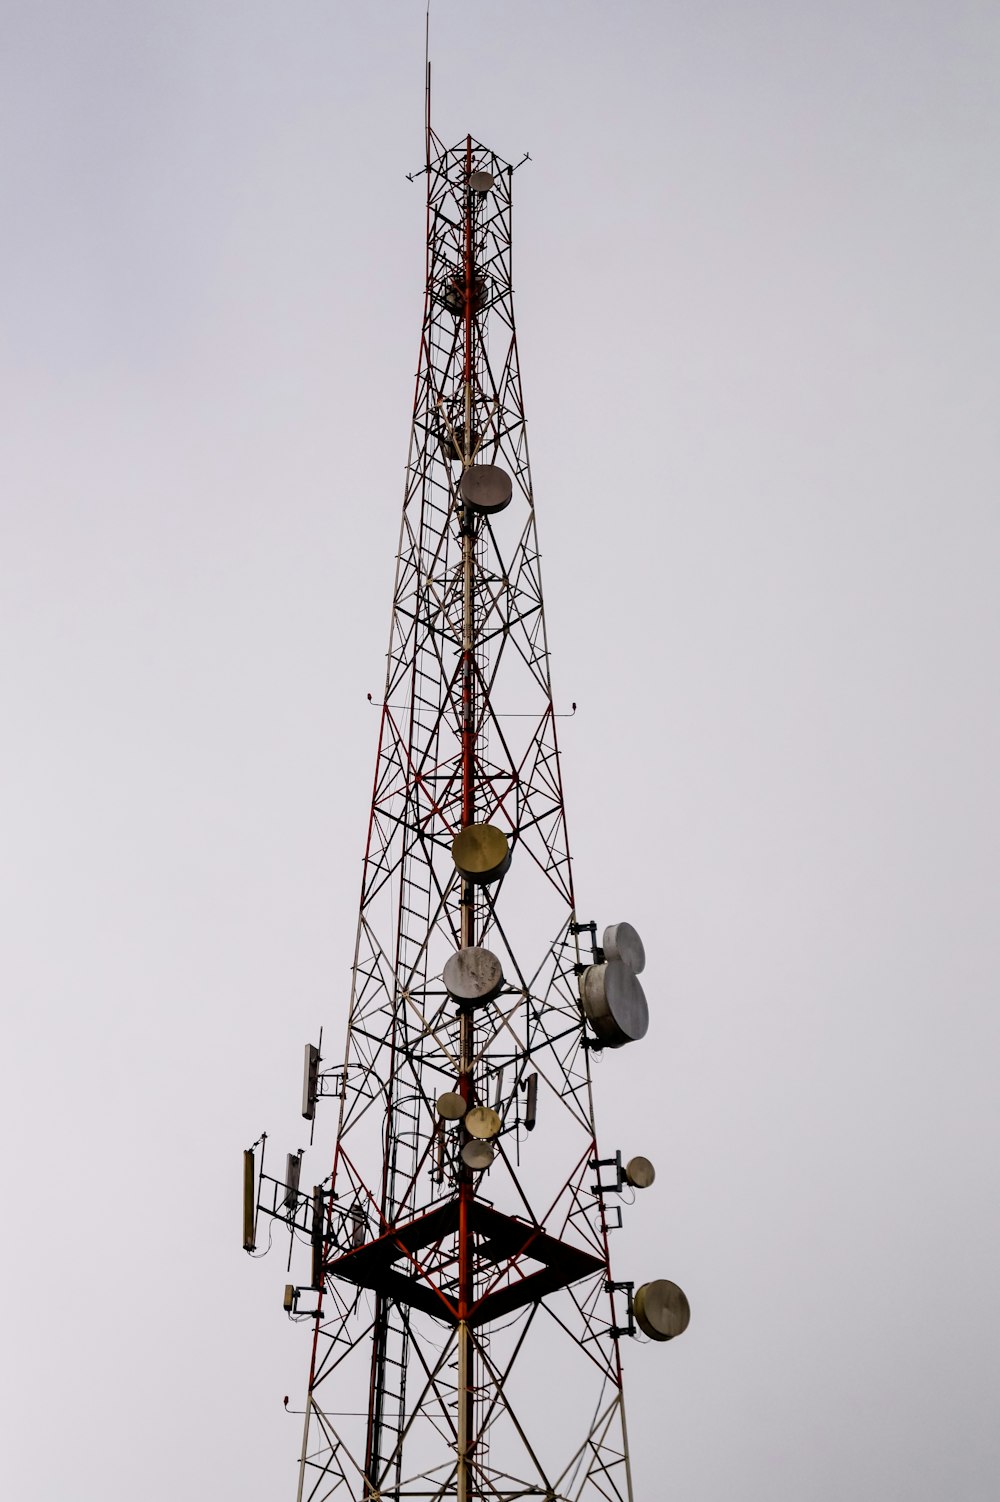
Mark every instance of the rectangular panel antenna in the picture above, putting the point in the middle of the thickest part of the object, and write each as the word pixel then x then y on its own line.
pixel 249 1196
pixel 293 1166
pixel 317 1238
pixel 310 1081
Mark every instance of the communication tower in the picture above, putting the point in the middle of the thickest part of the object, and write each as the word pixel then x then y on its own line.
pixel 465 1321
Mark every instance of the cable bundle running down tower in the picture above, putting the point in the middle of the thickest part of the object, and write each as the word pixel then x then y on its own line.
pixel 465 1323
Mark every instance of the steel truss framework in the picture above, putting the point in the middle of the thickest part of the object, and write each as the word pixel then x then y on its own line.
pixel 466 1335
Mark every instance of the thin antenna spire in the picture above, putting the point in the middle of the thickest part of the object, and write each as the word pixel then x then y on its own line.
pixel 427 82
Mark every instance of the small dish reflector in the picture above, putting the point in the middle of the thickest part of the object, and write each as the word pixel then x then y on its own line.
pixel 482 1122
pixel 486 488
pixel 473 974
pixel 639 1172
pixel 481 852
pixel 451 1106
pixel 661 1310
pixel 476 1154
pixel 621 942
pixel 481 182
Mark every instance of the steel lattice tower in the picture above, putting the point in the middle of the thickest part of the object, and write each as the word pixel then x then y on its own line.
pixel 460 1267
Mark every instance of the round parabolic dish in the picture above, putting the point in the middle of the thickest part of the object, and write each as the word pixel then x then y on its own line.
pixel 640 1173
pixel 477 1154
pixel 451 1106
pixel 621 942
pixel 661 1309
pixel 481 182
pixel 481 853
pixel 482 1122
pixel 614 1003
pixel 486 488
pixel 473 975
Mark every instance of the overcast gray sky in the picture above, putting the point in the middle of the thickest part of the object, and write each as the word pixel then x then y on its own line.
pixel 755 262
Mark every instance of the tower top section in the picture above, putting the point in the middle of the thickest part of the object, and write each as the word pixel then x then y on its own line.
pixel 469 408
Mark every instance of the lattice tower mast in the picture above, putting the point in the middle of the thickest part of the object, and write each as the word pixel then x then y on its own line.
pixel 465 1323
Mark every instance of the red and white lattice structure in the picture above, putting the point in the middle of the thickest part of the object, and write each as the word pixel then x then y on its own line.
pixel 465 1322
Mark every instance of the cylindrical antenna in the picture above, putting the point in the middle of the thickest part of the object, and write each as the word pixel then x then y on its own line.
pixel 357 1226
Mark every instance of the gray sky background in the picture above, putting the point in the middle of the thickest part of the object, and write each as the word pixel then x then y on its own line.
pixel 755 260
